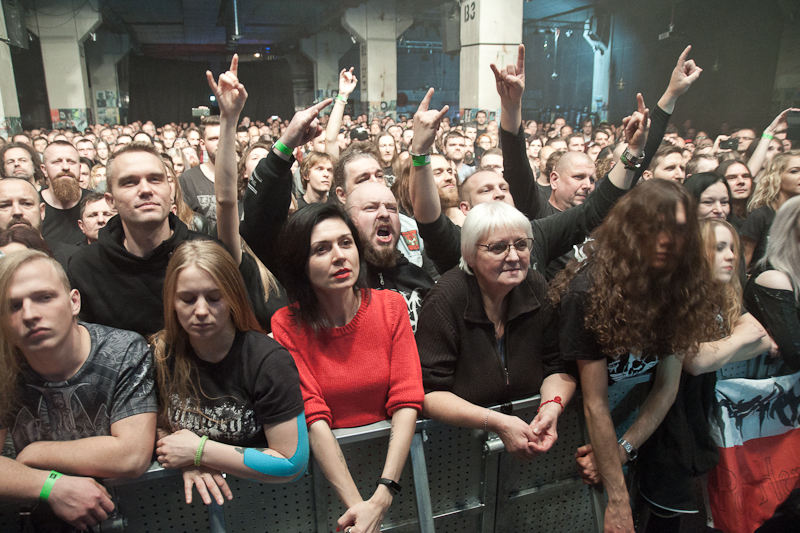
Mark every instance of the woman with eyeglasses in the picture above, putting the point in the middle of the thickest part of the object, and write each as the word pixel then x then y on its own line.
pixel 488 334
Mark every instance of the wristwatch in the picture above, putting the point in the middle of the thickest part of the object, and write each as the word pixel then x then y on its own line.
pixel 630 161
pixel 629 449
pixel 392 485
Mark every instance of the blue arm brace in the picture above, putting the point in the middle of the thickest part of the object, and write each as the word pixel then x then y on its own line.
pixel 278 467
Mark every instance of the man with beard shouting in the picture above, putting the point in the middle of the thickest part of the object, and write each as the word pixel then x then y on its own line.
pixel 61 166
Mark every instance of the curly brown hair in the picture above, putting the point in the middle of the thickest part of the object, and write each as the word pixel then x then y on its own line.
pixel 631 305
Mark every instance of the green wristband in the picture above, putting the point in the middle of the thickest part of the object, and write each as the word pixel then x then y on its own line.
pixel 341 98
pixel 420 160
pixel 48 485
pixel 766 135
pixel 200 447
pixel 283 148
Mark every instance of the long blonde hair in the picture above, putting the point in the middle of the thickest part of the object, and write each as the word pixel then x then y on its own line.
pixel 783 250
pixel 176 371
pixel 768 188
pixel 731 292
pixel 11 357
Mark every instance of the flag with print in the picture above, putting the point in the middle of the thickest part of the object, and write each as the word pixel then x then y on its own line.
pixel 757 430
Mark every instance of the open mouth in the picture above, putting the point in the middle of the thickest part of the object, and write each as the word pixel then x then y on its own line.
pixel 384 234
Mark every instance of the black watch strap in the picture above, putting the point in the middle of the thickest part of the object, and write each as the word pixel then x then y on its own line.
pixel 394 486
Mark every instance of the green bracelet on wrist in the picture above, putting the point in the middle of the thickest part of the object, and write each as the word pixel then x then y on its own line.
pixel 200 447
pixel 421 160
pixel 48 484
pixel 341 98
pixel 283 148
pixel 766 135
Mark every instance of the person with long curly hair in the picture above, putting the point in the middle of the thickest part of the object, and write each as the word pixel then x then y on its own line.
pixel 681 448
pixel 643 296
pixel 779 182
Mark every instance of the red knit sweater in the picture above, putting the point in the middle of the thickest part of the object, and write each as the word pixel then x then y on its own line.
pixel 360 373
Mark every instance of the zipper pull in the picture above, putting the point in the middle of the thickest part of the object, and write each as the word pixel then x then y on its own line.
pixel 380 275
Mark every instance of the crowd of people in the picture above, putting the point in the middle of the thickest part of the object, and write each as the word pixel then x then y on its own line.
pixel 222 297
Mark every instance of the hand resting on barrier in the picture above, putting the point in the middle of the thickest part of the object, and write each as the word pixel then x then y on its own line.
pixel 209 483
pixel 80 501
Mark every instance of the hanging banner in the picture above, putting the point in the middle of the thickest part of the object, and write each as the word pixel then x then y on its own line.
pixel 758 435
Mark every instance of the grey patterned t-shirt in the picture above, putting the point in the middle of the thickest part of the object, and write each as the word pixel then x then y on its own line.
pixel 115 382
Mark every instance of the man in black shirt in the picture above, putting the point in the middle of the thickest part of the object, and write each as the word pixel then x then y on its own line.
pixel 198 183
pixel 61 166
pixel 81 400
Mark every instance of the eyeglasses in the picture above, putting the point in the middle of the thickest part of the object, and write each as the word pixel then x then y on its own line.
pixel 522 246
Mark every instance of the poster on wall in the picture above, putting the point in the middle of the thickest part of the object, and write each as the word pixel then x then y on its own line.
pixel 69 118
pixel 9 126
pixel 108 115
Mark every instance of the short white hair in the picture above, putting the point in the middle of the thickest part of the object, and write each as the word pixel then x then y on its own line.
pixel 483 220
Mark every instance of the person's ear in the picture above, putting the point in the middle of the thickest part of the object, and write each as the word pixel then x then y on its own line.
pixel 647 175
pixel 75 298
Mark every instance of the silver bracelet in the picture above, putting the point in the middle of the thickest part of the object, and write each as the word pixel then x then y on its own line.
pixel 486 422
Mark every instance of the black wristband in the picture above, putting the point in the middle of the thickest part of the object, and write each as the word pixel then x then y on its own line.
pixel 393 486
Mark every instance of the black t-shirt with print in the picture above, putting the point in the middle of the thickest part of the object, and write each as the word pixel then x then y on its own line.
pixel 115 382
pixel 255 384
pixel 198 193
pixel 579 343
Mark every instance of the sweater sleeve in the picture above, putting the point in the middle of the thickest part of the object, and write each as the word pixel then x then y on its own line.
pixel 442 242
pixel 285 333
pixel 658 126
pixel 558 233
pixel 266 207
pixel 436 340
pixel 519 175
pixel 405 380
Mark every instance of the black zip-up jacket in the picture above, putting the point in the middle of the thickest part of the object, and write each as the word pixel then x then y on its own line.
pixel 458 347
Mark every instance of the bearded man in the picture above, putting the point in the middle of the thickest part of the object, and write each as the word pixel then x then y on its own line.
pixel 61 168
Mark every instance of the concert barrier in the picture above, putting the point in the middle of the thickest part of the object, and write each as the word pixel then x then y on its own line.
pixel 456 479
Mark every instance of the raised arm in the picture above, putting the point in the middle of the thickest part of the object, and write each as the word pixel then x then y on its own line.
pixel 683 76
pixel 778 125
pixel 347 84
pixel 269 192
pixel 231 96
pixel 517 172
pixel 422 188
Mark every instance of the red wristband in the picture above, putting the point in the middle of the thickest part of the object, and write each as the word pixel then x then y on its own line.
pixel 557 400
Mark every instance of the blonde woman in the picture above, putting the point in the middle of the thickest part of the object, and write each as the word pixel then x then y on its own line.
pixel 779 182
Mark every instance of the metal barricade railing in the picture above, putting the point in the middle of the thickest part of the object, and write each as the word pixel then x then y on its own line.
pixel 456 479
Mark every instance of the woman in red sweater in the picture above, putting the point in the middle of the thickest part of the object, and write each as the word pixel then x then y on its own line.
pixel 355 352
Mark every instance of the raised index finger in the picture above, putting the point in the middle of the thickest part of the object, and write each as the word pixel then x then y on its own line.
pixel 521 60
pixel 640 103
pixel 426 101
pixel 684 55
pixel 316 108
pixel 235 65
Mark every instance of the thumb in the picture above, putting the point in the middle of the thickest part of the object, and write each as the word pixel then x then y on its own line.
pixel 347 519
